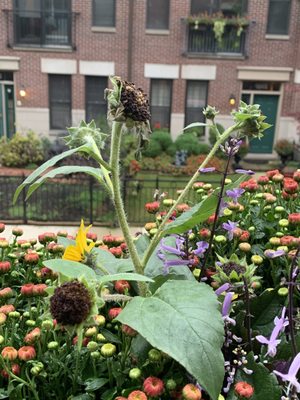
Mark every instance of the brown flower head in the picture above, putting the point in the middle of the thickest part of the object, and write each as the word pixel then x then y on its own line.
pixel 71 303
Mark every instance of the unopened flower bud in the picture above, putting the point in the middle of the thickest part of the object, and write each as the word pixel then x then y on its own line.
pixel 257 260
pixel 135 373
pixel 108 350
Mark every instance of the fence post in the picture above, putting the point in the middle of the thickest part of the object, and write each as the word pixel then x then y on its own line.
pixel 24 192
pixel 157 183
pixel 91 191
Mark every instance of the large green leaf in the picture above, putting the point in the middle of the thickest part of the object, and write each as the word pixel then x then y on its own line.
pixel 265 383
pixel 200 212
pixel 264 309
pixel 48 164
pixel 106 261
pixel 183 320
pixel 155 266
pixel 71 269
pixel 124 276
pixel 66 170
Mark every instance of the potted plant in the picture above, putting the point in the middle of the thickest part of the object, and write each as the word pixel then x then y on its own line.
pixel 285 149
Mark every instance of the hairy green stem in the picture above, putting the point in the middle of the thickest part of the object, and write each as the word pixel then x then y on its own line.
pixel 156 238
pixel 118 202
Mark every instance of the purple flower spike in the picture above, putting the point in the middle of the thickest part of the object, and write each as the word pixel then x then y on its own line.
pixel 244 171
pixel 173 263
pixel 201 248
pixel 222 289
pixel 273 342
pixel 230 227
pixel 235 193
pixel 206 170
pixel 226 308
pixel 291 376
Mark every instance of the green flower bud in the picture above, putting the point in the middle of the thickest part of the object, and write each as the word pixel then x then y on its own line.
pixel 210 112
pixel 246 247
pixel 220 239
pixel 35 371
pixel 171 384
pixel 26 314
pixel 101 338
pixel 279 234
pixel 254 202
pixel 199 191
pixel 284 248
pixel 196 272
pixel 47 324
pixel 207 186
pixel 227 212
pixel 275 241
pixel 154 355
pixel 30 322
pixel 192 236
pixel 283 291
pixel 92 346
pixel 259 195
pixel 95 355
pixel 279 209
pixel 14 314
pixel 251 229
pixel 135 373
pixel 52 345
pixel 1 339
pixel 267 208
pixel 257 260
pixel 90 332
pixel 228 181
pixel 108 350
pixel 153 231
pixel 283 223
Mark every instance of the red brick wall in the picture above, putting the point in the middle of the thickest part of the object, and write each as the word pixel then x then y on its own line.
pixel 147 48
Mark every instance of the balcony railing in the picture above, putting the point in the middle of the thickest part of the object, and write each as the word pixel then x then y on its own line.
pixel 26 28
pixel 202 41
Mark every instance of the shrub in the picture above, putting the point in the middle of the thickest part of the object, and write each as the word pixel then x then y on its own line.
pixel 211 134
pixel 171 150
pixel 193 163
pixel 154 149
pixel 284 147
pixel 21 150
pixel 163 138
pixel 204 148
pixel 188 142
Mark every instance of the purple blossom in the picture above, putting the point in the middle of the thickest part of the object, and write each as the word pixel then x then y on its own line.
pixel 201 248
pixel 226 308
pixel 291 376
pixel 165 253
pixel 222 289
pixel 230 226
pixel 235 193
pixel 223 205
pixel 272 343
pixel 206 170
pixel 244 171
pixel 173 250
pixel 274 253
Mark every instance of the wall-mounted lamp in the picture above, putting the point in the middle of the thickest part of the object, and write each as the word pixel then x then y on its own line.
pixel 22 92
pixel 232 100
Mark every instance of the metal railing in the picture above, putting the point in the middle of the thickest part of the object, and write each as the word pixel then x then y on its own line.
pixel 70 199
pixel 40 28
pixel 202 40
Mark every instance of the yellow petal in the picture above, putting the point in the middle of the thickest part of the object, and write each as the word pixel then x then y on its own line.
pixel 72 253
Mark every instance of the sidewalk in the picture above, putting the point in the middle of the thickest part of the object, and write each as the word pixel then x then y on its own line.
pixel 32 231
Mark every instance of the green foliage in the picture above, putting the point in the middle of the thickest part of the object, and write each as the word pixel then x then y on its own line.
pixel 21 150
pixel 212 133
pixel 171 150
pixel 188 142
pixel 284 147
pixel 163 138
pixel 154 149
pixel 183 309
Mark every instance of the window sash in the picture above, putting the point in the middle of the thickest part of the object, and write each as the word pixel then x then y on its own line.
pixel 160 102
pixel 227 7
pixel 279 17
pixel 195 101
pixel 104 13
pixel 95 104
pixel 158 14
pixel 60 101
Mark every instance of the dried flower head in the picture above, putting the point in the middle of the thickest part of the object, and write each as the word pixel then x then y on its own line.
pixel 71 303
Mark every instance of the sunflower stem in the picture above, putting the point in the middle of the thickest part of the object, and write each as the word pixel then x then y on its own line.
pixel 118 202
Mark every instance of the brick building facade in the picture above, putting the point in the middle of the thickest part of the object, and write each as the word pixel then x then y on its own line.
pixel 59 54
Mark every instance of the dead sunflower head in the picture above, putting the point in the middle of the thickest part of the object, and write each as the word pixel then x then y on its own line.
pixel 71 303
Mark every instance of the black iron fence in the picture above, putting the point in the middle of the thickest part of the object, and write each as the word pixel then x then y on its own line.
pixel 70 199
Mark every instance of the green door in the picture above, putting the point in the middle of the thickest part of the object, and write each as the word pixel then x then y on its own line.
pixel 269 106
pixel 1 113
pixel 9 107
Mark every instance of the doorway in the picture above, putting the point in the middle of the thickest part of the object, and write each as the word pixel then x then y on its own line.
pixel 7 105
pixel 267 96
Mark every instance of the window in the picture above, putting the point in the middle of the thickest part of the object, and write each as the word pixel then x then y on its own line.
pixel 42 22
pixel 95 104
pixel 279 17
pixel 158 14
pixel 161 100
pixel 60 101
pixel 104 13
pixel 195 101
pixel 229 8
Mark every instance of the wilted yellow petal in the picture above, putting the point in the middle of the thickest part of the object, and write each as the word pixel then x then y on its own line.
pixel 72 253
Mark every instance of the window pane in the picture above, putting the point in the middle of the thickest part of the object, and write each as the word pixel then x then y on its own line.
pixel 279 17
pixel 227 7
pixel 104 13
pixel 158 14
pixel 60 101
pixel 196 99
pixel 161 95
pixel 96 106
pixel 33 5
